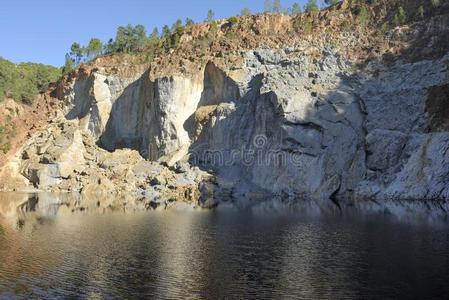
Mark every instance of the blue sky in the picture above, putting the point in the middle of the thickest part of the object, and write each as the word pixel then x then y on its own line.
pixel 43 30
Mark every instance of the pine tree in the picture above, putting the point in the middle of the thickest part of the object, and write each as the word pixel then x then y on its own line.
pixel 68 65
pixel 177 24
pixel 296 8
pixel 245 12
pixel 331 2
pixel 189 22
pixel 421 12
pixel 210 15
pixel 277 7
pixel 165 31
pixel 94 48
pixel 435 3
pixel 109 47
pixel 76 53
pixel 401 15
pixel 268 6
pixel 311 6
pixel 154 36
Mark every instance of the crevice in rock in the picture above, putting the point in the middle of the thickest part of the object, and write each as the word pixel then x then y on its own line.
pixel 311 125
pixel 437 108
pixel 334 199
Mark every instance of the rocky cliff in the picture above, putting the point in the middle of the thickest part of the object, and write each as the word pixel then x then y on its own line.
pixel 310 118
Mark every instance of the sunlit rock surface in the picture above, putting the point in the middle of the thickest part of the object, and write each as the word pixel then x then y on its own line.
pixel 281 123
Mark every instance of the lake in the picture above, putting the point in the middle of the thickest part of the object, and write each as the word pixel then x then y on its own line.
pixel 227 253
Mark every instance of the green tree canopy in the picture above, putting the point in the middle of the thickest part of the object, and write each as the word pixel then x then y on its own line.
pixel 140 39
pixel 69 64
pixel 130 38
pixel 210 15
pixel 109 47
pixel 154 36
pixel 77 53
pixel 233 20
pixel 245 11
pixel 165 31
pixel 268 6
pixel 331 2
pixel 24 81
pixel 177 24
pixel 277 7
pixel 295 9
pixel 435 3
pixel 94 48
pixel 273 6
pixel 421 12
pixel 189 22
pixel 400 18
pixel 311 6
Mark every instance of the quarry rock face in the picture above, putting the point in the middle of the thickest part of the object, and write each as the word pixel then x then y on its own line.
pixel 281 123
pixel 406 154
pixel 278 114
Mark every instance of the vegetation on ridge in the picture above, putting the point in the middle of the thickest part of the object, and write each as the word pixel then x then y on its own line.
pixel 131 39
pixel 24 81
pixel 5 144
pixel 134 39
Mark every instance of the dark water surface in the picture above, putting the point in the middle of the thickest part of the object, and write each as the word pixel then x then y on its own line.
pixel 222 254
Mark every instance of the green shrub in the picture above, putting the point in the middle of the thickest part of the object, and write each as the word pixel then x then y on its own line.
pixel 210 15
pixel 189 22
pixel 233 20
pixel 435 3
pixel 364 16
pixel 421 12
pixel 204 42
pixel 295 9
pixel 402 15
pixel 130 38
pixel 331 2
pixel 383 30
pixel 5 147
pixel 347 25
pixel 296 25
pixel 245 12
pixel 213 27
pixel 308 26
pixel 311 6
pixel 231 35
pixel 400 18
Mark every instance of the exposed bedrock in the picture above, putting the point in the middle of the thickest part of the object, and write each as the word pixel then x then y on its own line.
pixel 283 123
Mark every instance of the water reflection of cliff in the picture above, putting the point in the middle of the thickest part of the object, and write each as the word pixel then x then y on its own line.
pixel 208 254
pixel 25 211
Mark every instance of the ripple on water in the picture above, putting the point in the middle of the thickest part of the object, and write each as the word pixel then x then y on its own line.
pixel 234 254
